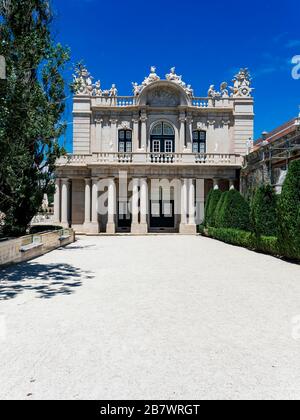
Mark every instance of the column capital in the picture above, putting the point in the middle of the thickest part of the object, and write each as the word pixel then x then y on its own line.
pixel 65 180
pixel 87 180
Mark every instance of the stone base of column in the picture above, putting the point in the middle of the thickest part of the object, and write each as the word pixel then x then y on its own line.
pixel 110 228
pixel 91 228
pixel 139 228
pixel 187 229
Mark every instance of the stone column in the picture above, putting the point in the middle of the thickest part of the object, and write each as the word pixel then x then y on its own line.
pixel 216 184
pixel 112 197
pixel 184 207
pixel 200 199
pixel 135 134
pixel 190 133
pixel 181 133
pixel 144 132
pixel 57 201
pixel 144 205
pixel 114 134
pixel 87 202
pixel 135 206
pixel 65 202
pixel 98 145
pixel 95 223
pixel 192 199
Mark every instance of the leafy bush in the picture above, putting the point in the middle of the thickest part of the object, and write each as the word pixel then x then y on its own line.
pixel 234 212
pixel 263 211
pixel 289 211
pixel 233 236
pixel 219 210
pixel 43 228
pixel 266 244
pixel 210 209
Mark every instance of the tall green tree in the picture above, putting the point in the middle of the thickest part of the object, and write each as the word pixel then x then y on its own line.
pixel 289 212
pixel 264 211
pixel 32 103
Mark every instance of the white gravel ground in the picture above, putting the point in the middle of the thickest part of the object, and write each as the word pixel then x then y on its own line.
pixel 157 317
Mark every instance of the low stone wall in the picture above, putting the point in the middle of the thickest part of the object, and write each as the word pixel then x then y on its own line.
pixel 33 246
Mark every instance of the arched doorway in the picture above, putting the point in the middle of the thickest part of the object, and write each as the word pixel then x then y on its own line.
pixel 162 138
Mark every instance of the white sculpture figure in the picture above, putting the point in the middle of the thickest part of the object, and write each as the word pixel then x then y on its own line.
pixel 136 89
pixel 173 77
pixel 212 93
pixel 153 77
pixel 82 81
pixel 113 91
pixel 189 90
pixel 242 84
pixel 224 90
pixel 97 89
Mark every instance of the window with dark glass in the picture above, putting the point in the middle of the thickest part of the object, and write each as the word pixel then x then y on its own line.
pixel 199 141
pixel 125 141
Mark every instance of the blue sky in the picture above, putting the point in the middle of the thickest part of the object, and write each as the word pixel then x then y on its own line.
pixel 206 41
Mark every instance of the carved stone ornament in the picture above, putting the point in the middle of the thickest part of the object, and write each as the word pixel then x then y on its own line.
pixel 82 81
pixel 242 84
pixel 164 97
pixel 170 77
pixel 125 125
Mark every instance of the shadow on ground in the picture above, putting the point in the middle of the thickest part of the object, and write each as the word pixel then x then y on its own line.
pixel 47 280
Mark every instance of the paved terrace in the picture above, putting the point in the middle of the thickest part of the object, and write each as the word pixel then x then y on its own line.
pixel 150 317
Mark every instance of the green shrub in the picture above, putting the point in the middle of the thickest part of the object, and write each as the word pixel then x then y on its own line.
pixel 266 244
pixel 288 213
pixel 233 236
pixel 40 229
pixel 213 199
pixel 201 229
pixel 219 210
pixel 263 211
pixel 206 210
pixel 234 212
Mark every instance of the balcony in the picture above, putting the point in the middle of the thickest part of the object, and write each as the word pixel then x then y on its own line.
pixel 181 159
pixel 131 101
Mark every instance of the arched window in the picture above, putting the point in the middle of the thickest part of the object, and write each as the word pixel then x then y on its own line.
pixel 162 138
pixel 125 141
pixel 199 141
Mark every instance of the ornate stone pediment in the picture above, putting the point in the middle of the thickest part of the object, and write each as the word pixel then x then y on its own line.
pixel 164 97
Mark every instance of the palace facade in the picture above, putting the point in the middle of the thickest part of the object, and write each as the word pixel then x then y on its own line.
pixel 146 162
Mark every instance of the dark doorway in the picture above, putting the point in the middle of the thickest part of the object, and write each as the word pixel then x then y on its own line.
pixel 162 214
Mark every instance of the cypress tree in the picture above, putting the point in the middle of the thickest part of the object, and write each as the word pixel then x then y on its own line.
pixel 263 211
pixel 289 212
pixel 32 103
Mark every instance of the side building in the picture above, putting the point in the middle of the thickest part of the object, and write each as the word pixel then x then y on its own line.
pixel 268 162
pixel 128 150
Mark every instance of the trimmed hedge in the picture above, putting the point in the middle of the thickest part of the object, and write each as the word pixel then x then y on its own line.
pixel 289 211
pixel 211 205
pixel 217 218
pixel 266 244
pixel 234 212
pixel 264 211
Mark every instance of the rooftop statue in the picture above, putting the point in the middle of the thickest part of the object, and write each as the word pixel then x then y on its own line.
pixel 82 81
pixel 242 84
pixel 97 91
pixel 153 77
pixel 224 90
pixel 113 91
pixel 212 93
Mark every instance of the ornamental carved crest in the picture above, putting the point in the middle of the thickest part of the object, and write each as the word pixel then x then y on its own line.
pixel 164 97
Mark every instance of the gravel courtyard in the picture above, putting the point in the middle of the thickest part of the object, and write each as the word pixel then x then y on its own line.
pixel 157 317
